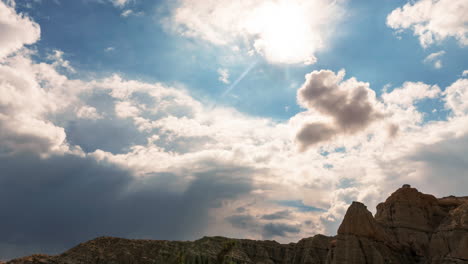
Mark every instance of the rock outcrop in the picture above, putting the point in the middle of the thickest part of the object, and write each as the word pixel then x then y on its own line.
pixel 409 227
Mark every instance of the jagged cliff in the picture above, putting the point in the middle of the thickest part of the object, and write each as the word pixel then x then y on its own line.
pixel 409 227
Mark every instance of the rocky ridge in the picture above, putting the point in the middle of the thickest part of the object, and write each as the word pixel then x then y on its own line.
pixel 409 227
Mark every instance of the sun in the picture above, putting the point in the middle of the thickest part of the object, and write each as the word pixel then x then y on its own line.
pixel 283 32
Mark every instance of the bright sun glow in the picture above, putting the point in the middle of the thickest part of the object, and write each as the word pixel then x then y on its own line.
pixel 284 32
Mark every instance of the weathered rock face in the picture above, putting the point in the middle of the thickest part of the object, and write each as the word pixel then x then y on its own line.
pixel 358 221
pixel 361 239
pixel 409 227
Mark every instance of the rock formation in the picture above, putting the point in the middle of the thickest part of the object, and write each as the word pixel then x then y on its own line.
pixel 409 227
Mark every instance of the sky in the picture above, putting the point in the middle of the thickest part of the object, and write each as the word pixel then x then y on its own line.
pixel 259 119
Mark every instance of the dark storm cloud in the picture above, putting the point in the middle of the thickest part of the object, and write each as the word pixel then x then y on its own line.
pixel 281 230
pixel 52 204
pixel 285 214
pixel 300 206
pixel 242 221
pixel 350 104
pixel 266 230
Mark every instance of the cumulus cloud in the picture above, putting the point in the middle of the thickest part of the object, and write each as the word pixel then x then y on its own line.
pixel 88 112
pixel 16 29
pixel 59 61
pixel 24 106
pixel 432 20
pixel 349 106
pixel 313 133
pixel 281 31
pixel 126 109
pixel 457 97
pixel 410 93
pixel 435 59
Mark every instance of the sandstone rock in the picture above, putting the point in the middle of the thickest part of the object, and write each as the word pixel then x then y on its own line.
pixel 410 217
pixel 361 239
pixel 450 239
pixel 358 221
pixel 411 209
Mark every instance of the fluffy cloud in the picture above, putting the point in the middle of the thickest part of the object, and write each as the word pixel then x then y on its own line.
pixel 59 61
pixel 349 106
pixel 435 58
pixel 16 30
pixel 281 31
pixel 24 105
pixel 432 20
pixel 88 112
pixel 410 93
pixel 457 97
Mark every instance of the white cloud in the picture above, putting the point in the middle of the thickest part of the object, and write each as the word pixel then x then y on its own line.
pixel 129 12
pixel 465 73
pixel 29 94
pixel 126 13
pixel 120 3
pixel 281 31
pixel 223 75
pixel 126 109
pixel 432 20
pixel 435 58
pixel 457 97
pixel 410 93
pixel 88 112
pixel 30 91
pixel 16 30
pixel 59 61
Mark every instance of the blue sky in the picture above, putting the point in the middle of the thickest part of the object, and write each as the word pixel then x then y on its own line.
pixel 255 119
pixel 144 50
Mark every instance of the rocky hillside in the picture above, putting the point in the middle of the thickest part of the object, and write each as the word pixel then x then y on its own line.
pixel 409 227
